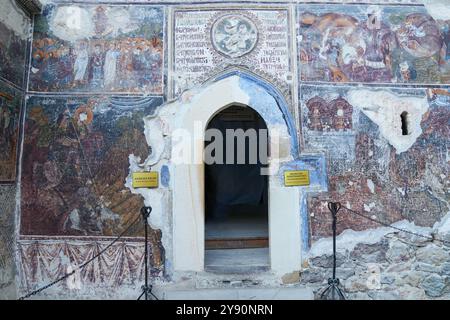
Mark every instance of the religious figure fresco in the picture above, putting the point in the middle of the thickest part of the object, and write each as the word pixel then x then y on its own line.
pixel 12 55
pixel 75 163
pixel 335 115
pixel 234 35
pixel 10 104
pixel 365 170
pixel 387 44
pixel 94 48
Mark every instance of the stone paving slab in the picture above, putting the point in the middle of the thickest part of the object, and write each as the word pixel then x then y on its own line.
pixel 238 294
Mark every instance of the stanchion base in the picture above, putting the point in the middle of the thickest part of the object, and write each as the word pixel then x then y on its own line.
pixel 147 291
pixel 333 288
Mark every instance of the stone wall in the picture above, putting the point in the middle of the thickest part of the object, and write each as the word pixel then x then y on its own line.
pixel 384 263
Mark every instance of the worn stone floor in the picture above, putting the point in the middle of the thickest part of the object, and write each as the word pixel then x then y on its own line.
pixel 293 293
pixel 237 260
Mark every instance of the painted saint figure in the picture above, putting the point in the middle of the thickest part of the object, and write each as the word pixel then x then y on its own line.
pixel 110 66
pixel 234 36
pixel 96 67
pixel 81 62
pixel 139 65
pixel 237 42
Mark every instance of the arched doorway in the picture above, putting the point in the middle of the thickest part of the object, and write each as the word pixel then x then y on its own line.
pixel 236 191
pixel 191 114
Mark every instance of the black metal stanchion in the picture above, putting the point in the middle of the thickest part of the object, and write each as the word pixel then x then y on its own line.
pixel 146 288
pixel 333 283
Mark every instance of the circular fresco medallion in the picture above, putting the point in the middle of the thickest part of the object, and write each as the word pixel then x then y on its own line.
pixel 234 35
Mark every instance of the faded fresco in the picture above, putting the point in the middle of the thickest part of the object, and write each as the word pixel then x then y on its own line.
pixel 41 263
pixel 7 239
pixel 10 105
pixel 75 163
pixel 328 125
pixel 348 43
pixel 13 50
pixel 365 172
pixel 98 48
pixel 234 35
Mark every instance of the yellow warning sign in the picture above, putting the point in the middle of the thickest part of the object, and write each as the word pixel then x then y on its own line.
pixel 145 179
pixel 296 178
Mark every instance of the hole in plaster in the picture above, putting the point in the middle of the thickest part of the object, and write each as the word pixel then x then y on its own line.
pixel 405 121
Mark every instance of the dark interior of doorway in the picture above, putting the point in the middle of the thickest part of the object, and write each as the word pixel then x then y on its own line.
pixel 236 199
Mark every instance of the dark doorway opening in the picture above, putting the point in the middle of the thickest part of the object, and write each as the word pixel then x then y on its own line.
pixel 236 193
pixel 404 118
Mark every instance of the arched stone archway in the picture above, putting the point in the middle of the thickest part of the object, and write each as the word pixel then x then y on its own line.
pixel 193 112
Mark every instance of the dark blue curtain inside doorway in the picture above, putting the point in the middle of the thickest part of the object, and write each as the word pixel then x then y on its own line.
pixel 230 188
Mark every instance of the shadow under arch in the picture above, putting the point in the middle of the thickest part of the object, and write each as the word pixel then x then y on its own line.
pixel 249 78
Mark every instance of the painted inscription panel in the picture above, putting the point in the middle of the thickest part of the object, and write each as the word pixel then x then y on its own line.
pixel 209 39
pixel 10 105
pixel 98 48
pixel 75 163
pixel 358 43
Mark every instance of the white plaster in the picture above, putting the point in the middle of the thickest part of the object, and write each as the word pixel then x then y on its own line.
pixel 348 239
pixel 438 9
pixel 401 190
pixel 14 18
pixel 157 198
pixel 284 232
pixel 443 226
pixel 370 185
pixel 71 23
pixel 155 140
pixel 369 207
pixel 384 108
pixel 74 22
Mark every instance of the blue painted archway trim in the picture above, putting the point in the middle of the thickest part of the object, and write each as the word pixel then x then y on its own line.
pixel 276 94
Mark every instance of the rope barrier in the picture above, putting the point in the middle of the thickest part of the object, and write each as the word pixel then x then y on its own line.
pixel 91 176
pixel 431 238
pixel 81 266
